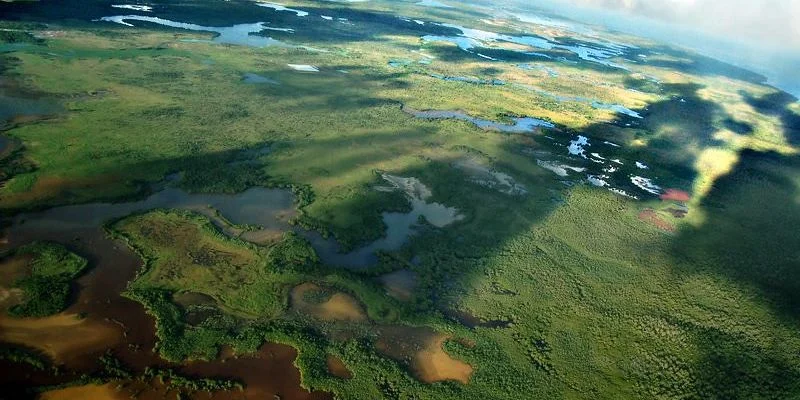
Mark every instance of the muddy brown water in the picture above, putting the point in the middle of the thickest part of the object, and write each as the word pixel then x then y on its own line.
pixel 270 372
pixel 337 368
pixel 400 284
pixel 422 349
pixel 337 306
pixel 132 337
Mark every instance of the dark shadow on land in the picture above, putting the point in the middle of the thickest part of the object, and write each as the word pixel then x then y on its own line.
pixel 681 120
pixel 697 64
pixel 452 53
pixel 777 104
pixel 751 230
pixel 750 237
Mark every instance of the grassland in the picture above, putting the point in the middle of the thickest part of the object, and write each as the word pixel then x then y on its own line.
pixel 598 303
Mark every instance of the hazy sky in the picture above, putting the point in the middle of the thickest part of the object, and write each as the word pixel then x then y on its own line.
pixel 776 22
pixel 760 35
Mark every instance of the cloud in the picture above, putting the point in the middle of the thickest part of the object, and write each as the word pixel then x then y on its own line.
pixel 775 21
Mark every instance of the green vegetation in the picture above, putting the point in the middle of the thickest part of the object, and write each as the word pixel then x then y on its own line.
pixel 600 303
pixel 176 381
pixel 22 355
pixel 46 287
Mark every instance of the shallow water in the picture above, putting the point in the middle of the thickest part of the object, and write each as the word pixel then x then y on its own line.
pixel 241 34
pixel 576 147
pixel 79 227
pixel 399 226
pixel 134 7
pixel 281 7
pixel 268 208
pixel 467 79
pixel 399 284
pixel 599 52
pixel 490 178
pixel 533 67
pixel 646 184
pixel 521 124
pixel 13 106
pixel 620 109
pixel 559 169
pixel 303 67
pixel 250 77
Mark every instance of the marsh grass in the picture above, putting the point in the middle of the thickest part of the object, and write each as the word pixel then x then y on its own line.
pixel 599 303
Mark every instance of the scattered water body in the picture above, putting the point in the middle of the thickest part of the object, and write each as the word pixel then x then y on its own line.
pixel 616 108
pixel 646 184
pixel 134 7
pixel 602 170
pixel 533 67
pixel 521 124
pixel 303 67
pixel 268 208
pixel 599 53
pixel 486 177
pixel 559 169
pixel 466 79
pixel 400 284
pixel 250 77
pixel 268 374
pixel 576 147
pixel 241 34
pixel 400 226
pixel 281 7
pixel 13 106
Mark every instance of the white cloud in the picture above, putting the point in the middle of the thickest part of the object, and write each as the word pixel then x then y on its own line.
pixel 775 21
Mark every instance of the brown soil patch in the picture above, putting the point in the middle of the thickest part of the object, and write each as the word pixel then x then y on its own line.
pixel 93 392
pixel 651 217
pixel 422 349
pixel 61 336
pixel 676 195
pixel 337 307
pixel 337 368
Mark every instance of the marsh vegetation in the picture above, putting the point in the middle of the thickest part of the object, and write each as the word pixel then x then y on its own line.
pixel 283 200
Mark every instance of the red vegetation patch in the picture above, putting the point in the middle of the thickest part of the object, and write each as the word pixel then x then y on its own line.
pixel 676 195
pixel 651 217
